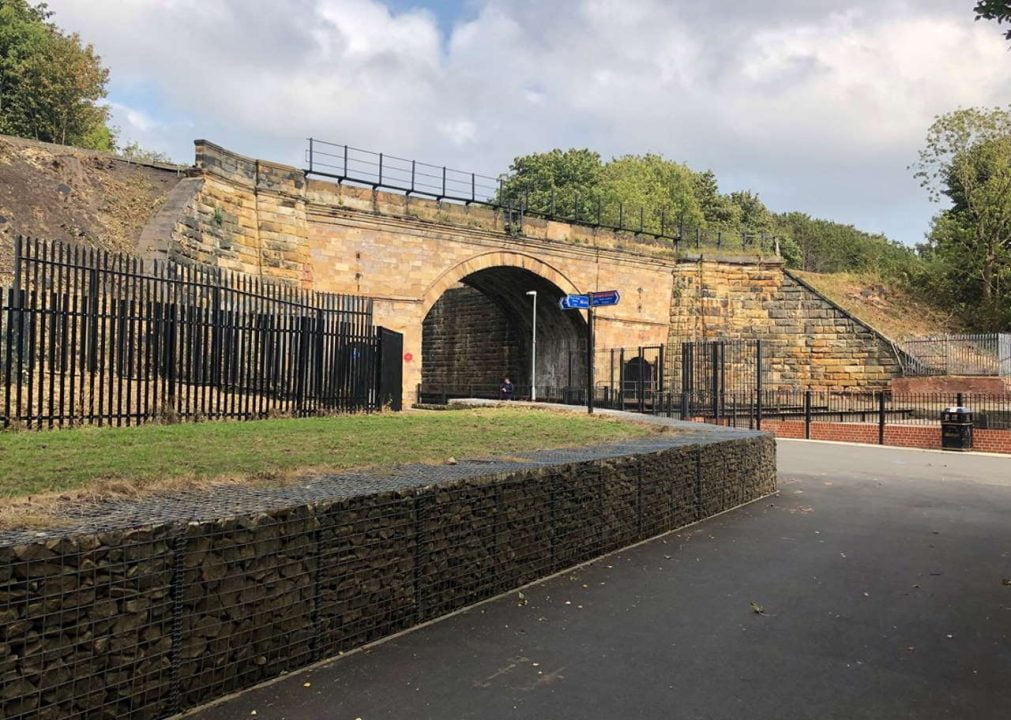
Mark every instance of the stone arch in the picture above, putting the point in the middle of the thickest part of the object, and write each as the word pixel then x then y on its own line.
pixel 454 275
pixel 478 328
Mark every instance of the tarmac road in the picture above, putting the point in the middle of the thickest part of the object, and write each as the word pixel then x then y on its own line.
pixel 877 584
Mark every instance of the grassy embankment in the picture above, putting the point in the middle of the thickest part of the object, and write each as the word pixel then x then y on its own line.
pixel 886 307
pixel 107 461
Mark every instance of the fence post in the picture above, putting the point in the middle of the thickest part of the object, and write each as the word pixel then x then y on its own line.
pixel 714 360
pixel 881 418
pixel 807 414
pixel 758 384
pixel 310 154
pixel 685 411
pixel 621 378
pixel 639 389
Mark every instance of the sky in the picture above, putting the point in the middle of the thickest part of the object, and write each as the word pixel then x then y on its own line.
pixel 818 106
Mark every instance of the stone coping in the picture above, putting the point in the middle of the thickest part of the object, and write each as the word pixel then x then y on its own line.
pixel 224 502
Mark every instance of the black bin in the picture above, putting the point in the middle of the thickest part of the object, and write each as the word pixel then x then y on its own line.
pixel 956 428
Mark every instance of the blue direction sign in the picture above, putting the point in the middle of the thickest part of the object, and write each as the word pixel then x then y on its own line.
pixel 605 297
pixel 574 302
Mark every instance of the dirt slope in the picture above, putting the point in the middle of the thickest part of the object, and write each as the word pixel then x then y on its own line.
pixel 63 193
pixel 888 309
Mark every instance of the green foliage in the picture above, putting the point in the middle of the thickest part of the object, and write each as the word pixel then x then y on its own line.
pixel 824 246
pixel 719 210
pixel 560 182
pixel 630 190
pixel 967 161
pixel 999 10
pixel 754 216
pixel 50 82
pixel 134 152
pixel 649 190
pixel 673 196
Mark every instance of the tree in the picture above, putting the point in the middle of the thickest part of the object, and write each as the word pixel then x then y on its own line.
pixel 999 10
pixel 717 209
pixel 134 152
pixel 755 218
pixel 967 160
pixel 51 84
pixel 650 191
pixel 559 182
pixel 667 196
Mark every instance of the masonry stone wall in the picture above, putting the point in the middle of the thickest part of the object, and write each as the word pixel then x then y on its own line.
pixel 470 342
pixel 406 252
pixel 809 341
pixel 144 622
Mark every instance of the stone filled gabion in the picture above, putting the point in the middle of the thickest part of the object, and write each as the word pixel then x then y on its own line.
pixel 141 623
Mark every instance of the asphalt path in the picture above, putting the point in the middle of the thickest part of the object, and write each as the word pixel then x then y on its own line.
pixel 876 584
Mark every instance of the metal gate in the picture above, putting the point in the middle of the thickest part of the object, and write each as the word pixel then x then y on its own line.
pixel 390 369
pixel 720 377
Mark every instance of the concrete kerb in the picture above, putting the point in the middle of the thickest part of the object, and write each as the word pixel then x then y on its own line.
pixel 684 426
pixel 893 447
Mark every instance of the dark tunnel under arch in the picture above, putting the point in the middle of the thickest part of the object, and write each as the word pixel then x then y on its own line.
pixel 480 331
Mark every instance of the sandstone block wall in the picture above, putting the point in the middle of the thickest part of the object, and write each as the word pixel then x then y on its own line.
pixel 406 252
pixel 143 623
pixel 808 340
pixel 477 344
pixel 239 214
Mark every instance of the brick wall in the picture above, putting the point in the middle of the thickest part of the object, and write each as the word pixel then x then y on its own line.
pixel 914 436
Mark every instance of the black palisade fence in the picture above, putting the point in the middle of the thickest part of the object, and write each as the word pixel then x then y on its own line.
pixel 92 337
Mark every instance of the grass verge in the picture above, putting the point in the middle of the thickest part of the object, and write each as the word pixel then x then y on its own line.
pixel 152 457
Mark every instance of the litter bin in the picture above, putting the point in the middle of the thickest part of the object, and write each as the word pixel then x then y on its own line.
pixel 956 428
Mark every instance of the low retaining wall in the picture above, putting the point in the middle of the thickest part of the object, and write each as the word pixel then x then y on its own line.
pixel 126 622
pixel 927 437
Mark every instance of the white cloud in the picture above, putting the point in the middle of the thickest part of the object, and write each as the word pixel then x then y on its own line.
pixel 817 105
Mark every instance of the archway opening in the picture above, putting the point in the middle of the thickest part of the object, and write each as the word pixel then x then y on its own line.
pixel 481 331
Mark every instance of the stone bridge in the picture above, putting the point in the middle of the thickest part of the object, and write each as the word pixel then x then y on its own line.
pixel 454 278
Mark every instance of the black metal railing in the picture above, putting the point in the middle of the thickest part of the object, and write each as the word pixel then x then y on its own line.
pixel 981 354
pixel 805 408
pixel 345 163
pixel 88 336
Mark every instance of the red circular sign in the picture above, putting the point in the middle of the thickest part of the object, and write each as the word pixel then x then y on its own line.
pixel 408 357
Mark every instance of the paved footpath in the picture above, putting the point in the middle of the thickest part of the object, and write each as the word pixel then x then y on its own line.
pixel 879 574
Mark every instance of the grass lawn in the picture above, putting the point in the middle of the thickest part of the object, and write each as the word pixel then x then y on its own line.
pixel 33 463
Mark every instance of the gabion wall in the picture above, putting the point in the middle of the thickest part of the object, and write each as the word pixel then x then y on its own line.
pixel 144 623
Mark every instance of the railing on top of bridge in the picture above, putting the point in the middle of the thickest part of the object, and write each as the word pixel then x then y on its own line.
pixel 390 172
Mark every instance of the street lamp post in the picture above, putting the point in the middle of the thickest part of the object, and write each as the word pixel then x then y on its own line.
pixel 533 351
